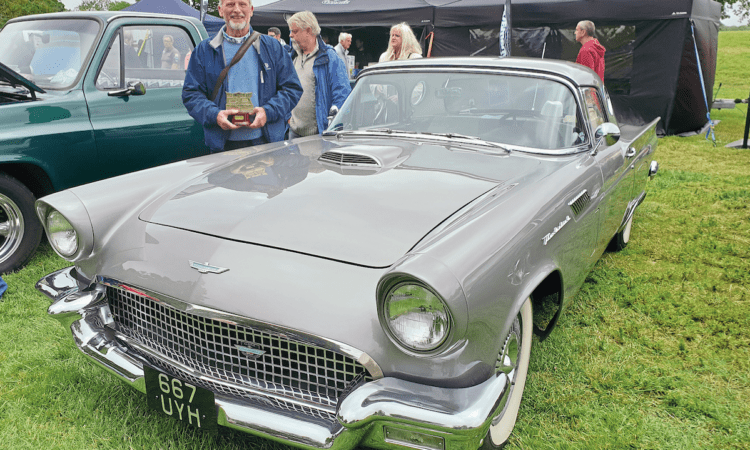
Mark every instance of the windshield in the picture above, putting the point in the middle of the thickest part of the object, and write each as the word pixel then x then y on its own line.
pixel 513 110
pixel 49 53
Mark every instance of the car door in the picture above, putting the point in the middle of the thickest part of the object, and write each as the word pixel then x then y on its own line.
pixel 615 165
pixel 134 132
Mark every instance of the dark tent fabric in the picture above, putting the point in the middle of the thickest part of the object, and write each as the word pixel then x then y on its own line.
pixel 651 68
pixel 347 13
pixel 212 24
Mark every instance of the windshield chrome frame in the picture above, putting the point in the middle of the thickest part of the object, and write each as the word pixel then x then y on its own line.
pixel 503 71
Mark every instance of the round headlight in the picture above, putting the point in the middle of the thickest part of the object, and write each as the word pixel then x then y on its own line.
pixel 416 316
pixel 62 235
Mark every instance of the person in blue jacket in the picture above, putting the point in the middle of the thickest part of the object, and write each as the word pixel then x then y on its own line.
pixel 265 71
pixel 322 73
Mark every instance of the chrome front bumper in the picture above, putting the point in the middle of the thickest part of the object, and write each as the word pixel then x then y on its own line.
pixel 385 413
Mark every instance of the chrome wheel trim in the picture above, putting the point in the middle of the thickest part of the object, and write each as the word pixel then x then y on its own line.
pixel 626 231
pixel 521 334
pixel 11 229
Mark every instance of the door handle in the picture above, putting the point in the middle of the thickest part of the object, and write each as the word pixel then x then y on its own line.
pixel 630 153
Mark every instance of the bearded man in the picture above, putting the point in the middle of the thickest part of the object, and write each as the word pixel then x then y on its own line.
pixel 265 73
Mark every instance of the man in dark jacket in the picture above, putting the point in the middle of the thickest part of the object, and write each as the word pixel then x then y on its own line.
pixel 322 73
pixel 592 52
pixel 265 71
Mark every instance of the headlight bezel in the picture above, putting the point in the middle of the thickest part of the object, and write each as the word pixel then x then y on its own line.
pixel 70 207
pixel 387 288
pixel 55 237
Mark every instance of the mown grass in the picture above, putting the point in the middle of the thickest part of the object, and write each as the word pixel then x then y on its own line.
pixel 652 354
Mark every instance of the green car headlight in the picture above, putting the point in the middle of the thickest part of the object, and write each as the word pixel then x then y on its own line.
pixel 62 235
pixel 416 317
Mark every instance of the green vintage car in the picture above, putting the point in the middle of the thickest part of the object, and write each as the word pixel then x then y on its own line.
pixel 86 96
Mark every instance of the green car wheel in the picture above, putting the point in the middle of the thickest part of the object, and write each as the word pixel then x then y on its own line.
pixel 20 230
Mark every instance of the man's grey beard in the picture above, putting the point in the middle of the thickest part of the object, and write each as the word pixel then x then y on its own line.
pixel 238 27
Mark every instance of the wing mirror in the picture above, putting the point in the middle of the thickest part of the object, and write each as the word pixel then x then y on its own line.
pixel 606 132
pixel 332 113
pixel 136 88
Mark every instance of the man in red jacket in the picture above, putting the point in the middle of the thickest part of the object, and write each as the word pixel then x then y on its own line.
pixel 592 53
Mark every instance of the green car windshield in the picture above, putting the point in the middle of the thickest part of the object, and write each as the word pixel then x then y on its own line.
pixel 49 53
pixel 512 110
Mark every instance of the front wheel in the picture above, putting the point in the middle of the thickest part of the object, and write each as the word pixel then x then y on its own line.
pixel 514 361
pixel 20 230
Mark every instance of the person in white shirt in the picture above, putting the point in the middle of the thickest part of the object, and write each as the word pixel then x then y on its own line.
pixel 402 45
pixel 342 49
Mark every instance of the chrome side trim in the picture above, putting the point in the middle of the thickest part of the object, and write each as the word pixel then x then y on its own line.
pixel 372 367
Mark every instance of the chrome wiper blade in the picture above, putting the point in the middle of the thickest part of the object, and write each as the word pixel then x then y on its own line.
pixel 451 135
pixel 367 131
pixel 474 139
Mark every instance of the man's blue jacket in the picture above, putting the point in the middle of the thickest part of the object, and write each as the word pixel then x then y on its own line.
pixel 280 89
pixel 331 83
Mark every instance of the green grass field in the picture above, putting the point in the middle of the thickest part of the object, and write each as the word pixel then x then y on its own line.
pixel 654 353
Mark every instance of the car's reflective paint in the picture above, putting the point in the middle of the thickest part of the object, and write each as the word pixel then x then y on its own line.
pixel 313 246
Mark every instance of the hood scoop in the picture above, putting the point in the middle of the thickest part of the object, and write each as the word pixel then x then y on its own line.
pixel 349 159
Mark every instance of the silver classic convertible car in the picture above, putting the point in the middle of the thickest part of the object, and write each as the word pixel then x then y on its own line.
pixel 375 286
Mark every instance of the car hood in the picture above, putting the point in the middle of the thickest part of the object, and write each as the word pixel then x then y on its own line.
pixel 15 79
pixel 355 212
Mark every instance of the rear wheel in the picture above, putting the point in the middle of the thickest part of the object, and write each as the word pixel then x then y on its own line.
pixel 514 361
pixel 20 230
pixel 621 239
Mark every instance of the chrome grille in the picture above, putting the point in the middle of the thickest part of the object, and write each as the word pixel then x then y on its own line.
pixel 304 374
pixel 347 159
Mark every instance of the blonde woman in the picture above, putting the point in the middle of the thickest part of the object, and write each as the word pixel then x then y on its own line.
pixel 402 45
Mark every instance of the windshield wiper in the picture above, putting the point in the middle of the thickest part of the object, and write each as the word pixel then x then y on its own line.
pixel 391 131
pixel 367 131
pixel 450 135
pixel 475 139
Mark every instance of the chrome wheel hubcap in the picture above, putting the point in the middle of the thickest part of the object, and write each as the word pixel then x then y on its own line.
pixel 11 227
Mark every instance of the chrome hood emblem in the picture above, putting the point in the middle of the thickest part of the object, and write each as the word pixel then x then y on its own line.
pixel 249 350
pixel 206 267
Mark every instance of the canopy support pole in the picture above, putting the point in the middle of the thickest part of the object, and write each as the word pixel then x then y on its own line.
pixel 703 87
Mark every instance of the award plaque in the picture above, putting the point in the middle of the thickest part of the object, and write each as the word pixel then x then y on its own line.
pixel 243 102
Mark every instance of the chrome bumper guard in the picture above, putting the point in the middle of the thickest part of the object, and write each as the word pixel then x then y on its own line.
pixel 385 413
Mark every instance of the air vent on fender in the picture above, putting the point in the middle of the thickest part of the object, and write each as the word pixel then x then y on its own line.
pixel 580 202
pixel 348 159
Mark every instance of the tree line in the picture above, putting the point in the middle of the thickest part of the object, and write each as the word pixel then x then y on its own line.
pixel 16 8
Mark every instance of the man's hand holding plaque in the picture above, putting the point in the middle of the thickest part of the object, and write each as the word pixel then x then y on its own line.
pixel 240 108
